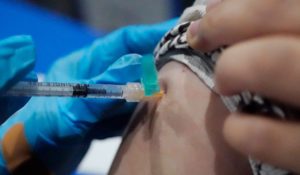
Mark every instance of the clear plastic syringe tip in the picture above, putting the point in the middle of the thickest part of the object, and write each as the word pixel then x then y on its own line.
pixel 133 92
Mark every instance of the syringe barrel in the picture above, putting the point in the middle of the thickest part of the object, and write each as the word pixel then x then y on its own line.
pixel 132 92
pixel 105 91
pixel 40 89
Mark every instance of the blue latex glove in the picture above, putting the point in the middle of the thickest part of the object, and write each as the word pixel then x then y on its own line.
pixel 16 60
pixel 17 57
pixel 59 130
pixel 90 61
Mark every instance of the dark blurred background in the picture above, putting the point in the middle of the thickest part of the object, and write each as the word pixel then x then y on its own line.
pixel 59 27
pixel 110 14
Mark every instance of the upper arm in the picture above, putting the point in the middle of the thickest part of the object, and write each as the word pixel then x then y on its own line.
pixel 180 133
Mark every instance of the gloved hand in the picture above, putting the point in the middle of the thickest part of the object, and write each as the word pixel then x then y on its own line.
pixel 17 57
pixel 58 131
pixel 91 61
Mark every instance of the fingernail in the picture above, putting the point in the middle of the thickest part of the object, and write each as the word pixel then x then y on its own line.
pixel 193 29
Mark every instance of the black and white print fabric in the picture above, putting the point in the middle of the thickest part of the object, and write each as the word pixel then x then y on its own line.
pixel 174 46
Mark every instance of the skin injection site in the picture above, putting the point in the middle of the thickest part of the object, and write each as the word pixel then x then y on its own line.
pixel 139 87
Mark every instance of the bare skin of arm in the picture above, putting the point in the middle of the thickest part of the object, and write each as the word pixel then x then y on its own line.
pixel 180 133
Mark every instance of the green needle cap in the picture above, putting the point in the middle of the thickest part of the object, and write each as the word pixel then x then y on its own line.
pixel 149 76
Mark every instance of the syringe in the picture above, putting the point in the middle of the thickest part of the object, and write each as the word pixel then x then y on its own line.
pixel 131 92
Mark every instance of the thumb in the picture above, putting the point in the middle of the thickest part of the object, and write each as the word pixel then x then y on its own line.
pixel 17 58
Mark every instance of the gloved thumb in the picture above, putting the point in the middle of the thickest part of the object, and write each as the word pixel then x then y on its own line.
pixel 17 58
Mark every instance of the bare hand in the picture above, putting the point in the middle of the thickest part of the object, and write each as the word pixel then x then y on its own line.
pixel 263 57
